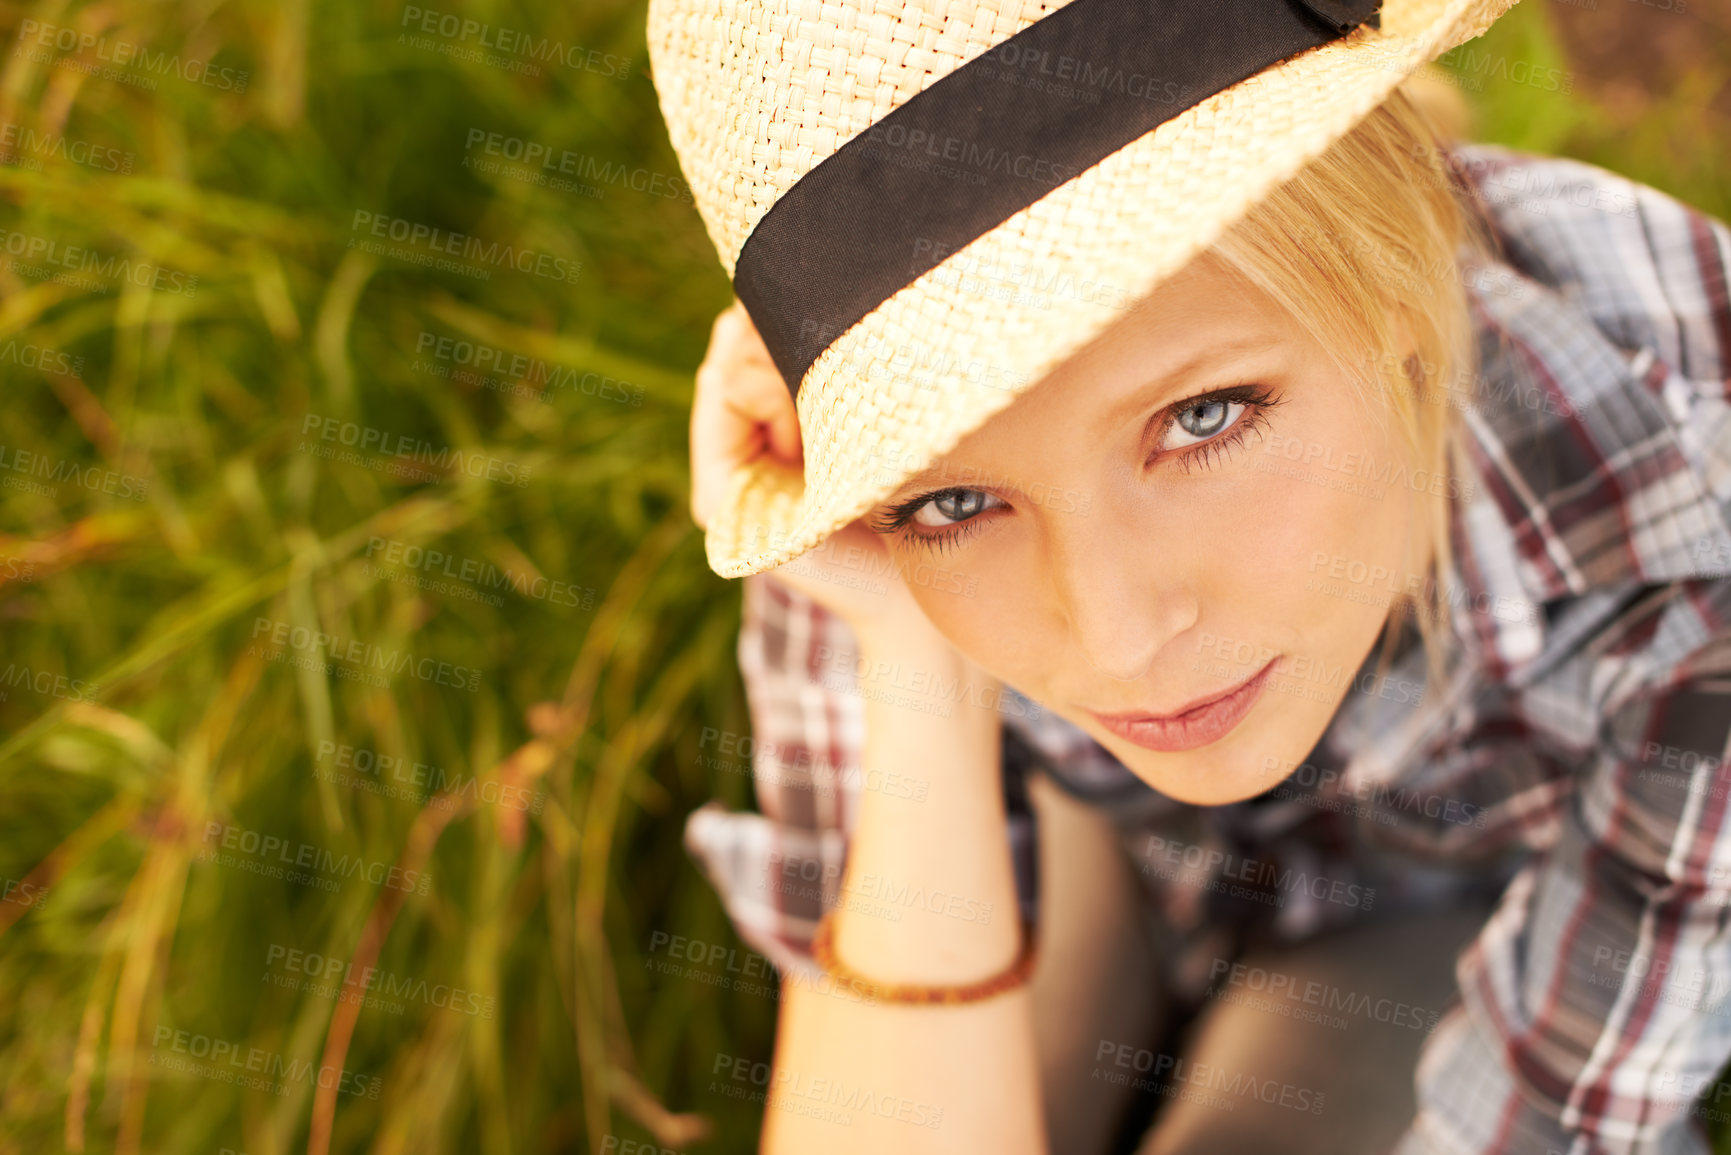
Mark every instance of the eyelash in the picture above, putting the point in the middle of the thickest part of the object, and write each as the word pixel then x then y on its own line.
pixel 1258 401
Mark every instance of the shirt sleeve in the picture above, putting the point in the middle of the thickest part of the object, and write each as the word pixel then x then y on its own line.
pixel 778 870
pixel 1595 1004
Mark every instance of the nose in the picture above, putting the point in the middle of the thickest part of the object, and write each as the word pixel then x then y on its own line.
pixel 1123 605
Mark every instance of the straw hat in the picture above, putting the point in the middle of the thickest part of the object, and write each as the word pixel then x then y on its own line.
pixel 927 205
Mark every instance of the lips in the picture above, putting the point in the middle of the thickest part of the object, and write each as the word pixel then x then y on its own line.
pixel 1197 725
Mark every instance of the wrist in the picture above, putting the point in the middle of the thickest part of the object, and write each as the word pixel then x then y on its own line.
pixel 908 641
pixel 915 661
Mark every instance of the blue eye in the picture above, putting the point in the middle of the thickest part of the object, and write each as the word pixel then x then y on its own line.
pixel 938 519
pixel 953 506
pixel 1202 421
pixel 1200 430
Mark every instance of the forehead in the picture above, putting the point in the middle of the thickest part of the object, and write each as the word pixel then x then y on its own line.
pixel 1202 308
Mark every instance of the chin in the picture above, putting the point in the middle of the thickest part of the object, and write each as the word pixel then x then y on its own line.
pixel 1195 778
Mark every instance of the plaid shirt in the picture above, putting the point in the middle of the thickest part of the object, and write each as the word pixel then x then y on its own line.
pixel 1571 768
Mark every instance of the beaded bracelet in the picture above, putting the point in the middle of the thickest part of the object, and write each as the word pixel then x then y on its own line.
pixel 1015 975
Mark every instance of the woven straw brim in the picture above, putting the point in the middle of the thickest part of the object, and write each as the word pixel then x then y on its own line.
pixel 752 105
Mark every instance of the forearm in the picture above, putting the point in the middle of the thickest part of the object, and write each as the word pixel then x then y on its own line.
pixel 895 1070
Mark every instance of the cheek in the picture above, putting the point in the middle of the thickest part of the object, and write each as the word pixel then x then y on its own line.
pixel 1255 541
pixel 957 597
pixel 988 603
pixel 980 608
pixel 1319 506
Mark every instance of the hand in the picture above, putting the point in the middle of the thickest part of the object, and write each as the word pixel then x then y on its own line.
pixel 742 412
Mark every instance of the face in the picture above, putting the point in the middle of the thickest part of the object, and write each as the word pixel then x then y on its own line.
pixel 1149 538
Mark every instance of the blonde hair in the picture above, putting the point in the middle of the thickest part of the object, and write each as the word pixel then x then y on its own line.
pixel 1362 248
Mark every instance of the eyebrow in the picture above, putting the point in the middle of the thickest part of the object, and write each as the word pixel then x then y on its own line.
pixel 1164 390
pixel 1167 388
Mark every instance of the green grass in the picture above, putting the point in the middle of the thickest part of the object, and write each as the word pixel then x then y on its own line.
pixel 146 698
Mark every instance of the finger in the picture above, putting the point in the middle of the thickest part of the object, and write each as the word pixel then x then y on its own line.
pixel 758 395
pixel 720 441
pixel 750 381
pixel 740 410
pixel 737 415
pixel 735 337
pixel 756 391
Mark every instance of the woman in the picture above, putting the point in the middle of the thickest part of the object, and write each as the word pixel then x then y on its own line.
pixel 1085 492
